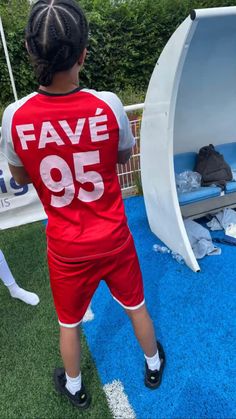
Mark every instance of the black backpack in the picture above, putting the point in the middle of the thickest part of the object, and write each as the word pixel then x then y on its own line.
pixel 212 166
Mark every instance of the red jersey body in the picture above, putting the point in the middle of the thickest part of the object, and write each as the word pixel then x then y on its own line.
pixel 69 146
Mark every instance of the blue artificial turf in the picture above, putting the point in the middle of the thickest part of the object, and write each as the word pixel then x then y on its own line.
pixel 194 317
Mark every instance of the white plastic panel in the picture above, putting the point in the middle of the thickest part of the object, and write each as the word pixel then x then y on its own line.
pixel 190 102
pixel 158 177
pixel 213 12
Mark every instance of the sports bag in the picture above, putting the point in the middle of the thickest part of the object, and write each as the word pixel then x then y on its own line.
pixel 213 167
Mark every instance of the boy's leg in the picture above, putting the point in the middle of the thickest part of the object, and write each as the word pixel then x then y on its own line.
pixel 14 289
pixel 70 353
pixel 143 329
pixel 153 351
pixel 68 380
pixel 124 280
pixel 70 350
pixel 73 285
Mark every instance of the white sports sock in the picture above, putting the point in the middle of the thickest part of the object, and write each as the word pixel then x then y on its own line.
pixel 154 362
pixel 5 273
pixel 73 384
pixel 14 289
pixel 23 295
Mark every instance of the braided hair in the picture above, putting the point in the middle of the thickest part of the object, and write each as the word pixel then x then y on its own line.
pixel 56 35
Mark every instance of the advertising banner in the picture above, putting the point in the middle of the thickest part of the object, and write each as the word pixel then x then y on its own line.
pixel 18 204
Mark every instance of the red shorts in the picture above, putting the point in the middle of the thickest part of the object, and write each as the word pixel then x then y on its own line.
pixel 73 284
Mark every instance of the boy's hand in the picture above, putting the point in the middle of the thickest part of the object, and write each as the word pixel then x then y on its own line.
pixel 124 156
pixel 19 174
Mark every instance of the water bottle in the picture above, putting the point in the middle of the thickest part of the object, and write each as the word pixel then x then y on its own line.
pixel 177 257
pixel 160 249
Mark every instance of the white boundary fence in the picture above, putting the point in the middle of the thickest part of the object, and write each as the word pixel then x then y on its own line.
pixel 129 174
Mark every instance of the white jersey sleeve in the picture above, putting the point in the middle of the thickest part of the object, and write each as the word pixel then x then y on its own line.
pixel 6 143
pixel 126 138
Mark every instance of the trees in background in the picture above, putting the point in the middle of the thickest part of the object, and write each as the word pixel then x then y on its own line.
pixel 126 38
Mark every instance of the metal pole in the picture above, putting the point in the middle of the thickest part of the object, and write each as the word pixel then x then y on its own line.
pixel 136 107
pixel 8 60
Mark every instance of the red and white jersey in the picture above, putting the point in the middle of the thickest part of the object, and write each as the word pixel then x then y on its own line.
pixel 69 145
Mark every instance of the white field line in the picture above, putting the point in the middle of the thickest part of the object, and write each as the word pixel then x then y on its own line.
pixel 89 315
pixel 118 401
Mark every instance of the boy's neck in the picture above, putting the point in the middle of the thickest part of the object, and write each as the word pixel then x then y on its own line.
pixel 63 82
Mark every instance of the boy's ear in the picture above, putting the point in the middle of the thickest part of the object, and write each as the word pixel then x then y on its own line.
pixel 82 57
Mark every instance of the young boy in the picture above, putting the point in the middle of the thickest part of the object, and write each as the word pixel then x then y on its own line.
pixel 14 289
pixel 67 141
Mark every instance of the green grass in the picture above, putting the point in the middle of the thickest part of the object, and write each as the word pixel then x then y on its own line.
pixel 29 348
pixel 130 96
pixel 1 113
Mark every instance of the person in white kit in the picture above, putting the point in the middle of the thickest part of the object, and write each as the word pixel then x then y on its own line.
pixel 14 289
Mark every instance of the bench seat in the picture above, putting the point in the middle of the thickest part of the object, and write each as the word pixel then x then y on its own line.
pixel 204 192
pixel 230 187
pixel 229 152
pixel 184 162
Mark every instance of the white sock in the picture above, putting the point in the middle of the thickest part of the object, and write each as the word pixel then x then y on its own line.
pixel 23 295
pixel 154 362
pixel 5 273
pixel 73 384
pixel 14 289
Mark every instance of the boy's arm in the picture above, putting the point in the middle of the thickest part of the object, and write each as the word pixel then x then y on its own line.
pixel 19 174
pixel 126 137
pixel 6 147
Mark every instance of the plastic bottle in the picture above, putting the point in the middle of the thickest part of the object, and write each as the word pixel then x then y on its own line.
pixel 160 249
pixel 177 257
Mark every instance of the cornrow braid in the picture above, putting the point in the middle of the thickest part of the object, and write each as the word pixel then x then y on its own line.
pixel 56 35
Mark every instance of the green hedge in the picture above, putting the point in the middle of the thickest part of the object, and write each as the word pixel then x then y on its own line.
pixel 126 38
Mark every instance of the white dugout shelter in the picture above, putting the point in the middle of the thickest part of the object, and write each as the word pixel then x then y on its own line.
pixel 190 103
